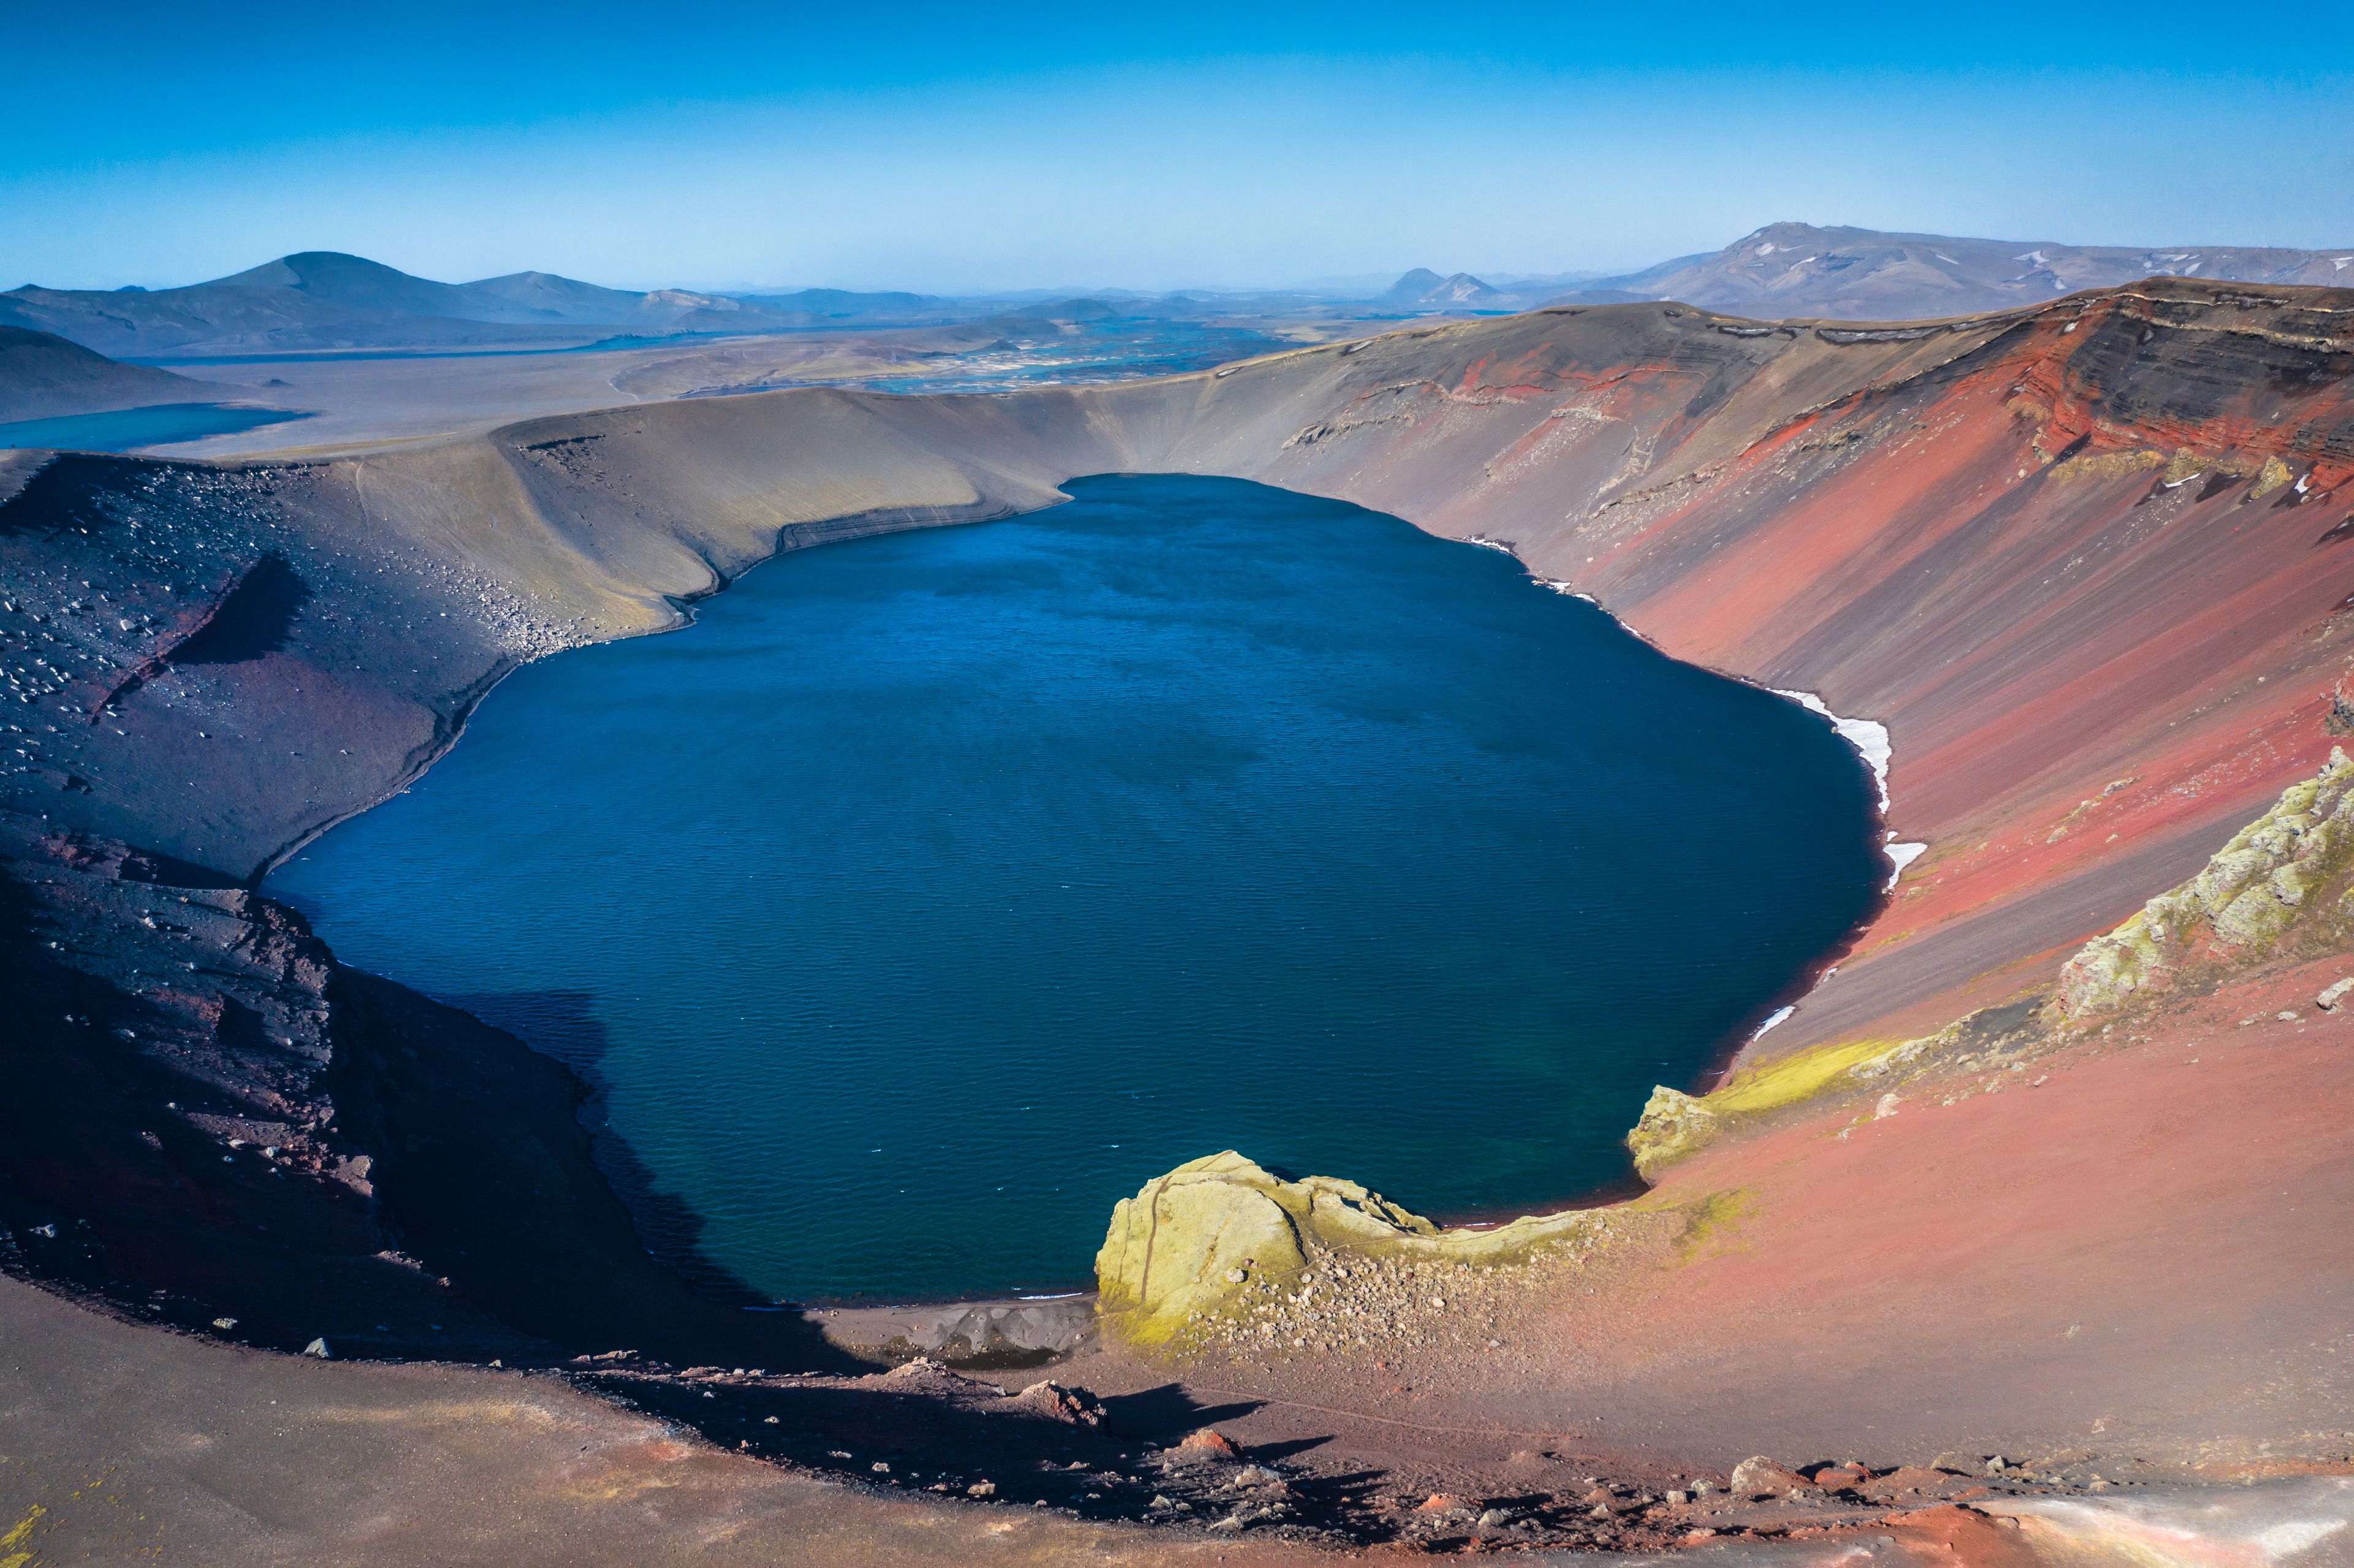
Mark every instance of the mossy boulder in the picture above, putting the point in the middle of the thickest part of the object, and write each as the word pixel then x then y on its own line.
pixel 1673 1124
pixel 1190 1242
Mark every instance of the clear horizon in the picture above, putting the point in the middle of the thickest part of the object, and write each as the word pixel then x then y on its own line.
pixel 953 152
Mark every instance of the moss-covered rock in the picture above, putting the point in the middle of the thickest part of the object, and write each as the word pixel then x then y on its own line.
pixel 1191 1243
pixel 1673 1124
pixel 2238 908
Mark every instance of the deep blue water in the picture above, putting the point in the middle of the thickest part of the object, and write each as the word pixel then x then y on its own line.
pixel 934 891
pixel 126 430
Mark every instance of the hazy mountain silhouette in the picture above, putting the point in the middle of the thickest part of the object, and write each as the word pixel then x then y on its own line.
pixel 1799 270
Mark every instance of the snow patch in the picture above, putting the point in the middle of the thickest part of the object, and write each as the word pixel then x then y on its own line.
pixel 1870 739
pixel 1780 1014
pixel 1869 736
pixel 1900 856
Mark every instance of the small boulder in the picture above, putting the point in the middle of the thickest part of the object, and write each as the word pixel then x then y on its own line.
pixel 1841 1478
pixel 1759 1477
pixel 1209 1443
pixel 319 1348
pixel 2333 994
pixel 1927 1479
pixel 981 1489
pixel 1070 1407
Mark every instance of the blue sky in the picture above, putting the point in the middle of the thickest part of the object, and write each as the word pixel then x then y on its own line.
pixel 964 148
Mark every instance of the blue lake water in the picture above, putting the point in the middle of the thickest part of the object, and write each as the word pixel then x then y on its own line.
pixel 127 429
pixel 934 891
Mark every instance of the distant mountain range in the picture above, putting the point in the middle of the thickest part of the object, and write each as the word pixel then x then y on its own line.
pixel 1862 274
pixel 1424 290
pixel 323 300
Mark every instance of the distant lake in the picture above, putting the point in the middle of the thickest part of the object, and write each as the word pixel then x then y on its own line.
pixel 126 430
pixel 935 891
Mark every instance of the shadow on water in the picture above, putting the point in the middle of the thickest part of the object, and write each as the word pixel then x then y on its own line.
pixel 489 1175
pixel 563 1025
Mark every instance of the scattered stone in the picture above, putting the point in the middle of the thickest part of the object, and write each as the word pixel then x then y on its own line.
pixel 2286 1016
pixel 1759 1477
pixel 224 1323
pixel 1070 1407
pixel 2333 994
pixel 1210 1441
pixel 981 1489
pixel 1916 1478
pixel 319 1348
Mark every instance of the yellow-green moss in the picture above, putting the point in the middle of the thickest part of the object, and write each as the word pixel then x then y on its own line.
pixel 2107 465
pixel 16 1546
pixel 1187 1245
pixel 2239 907
pixel 1675 1124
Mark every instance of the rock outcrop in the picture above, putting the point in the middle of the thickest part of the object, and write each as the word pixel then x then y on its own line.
pixel 1191 1243
pixel 2275 874
pixel 2281 882
pixel 1675 1124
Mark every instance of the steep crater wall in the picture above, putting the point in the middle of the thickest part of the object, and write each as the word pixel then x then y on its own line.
pixel 2085 562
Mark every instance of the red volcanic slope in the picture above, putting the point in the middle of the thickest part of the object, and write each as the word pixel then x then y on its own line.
pixel 2054 564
